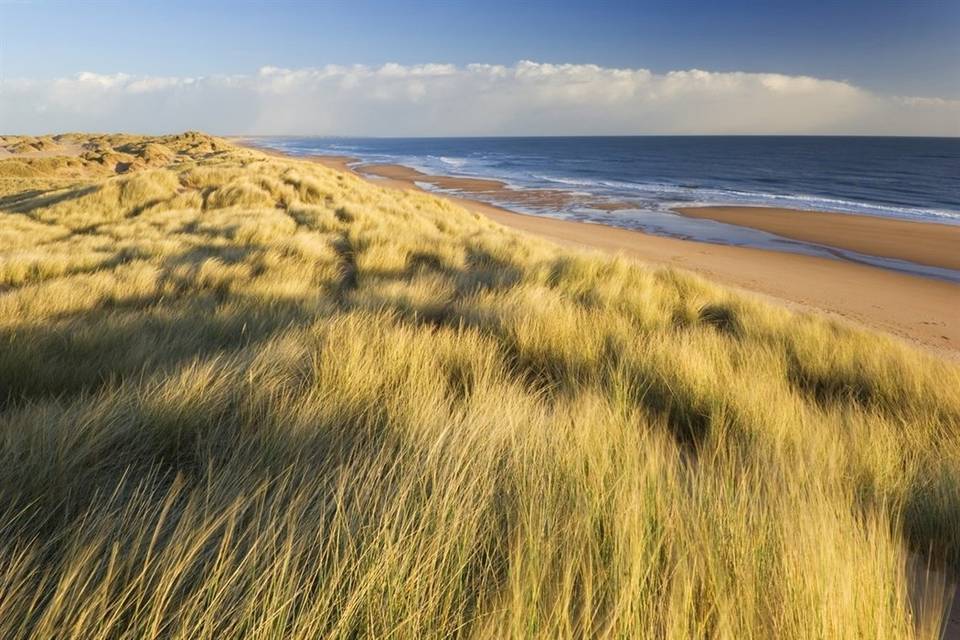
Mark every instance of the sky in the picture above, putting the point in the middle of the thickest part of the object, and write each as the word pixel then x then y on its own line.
pixel 482 68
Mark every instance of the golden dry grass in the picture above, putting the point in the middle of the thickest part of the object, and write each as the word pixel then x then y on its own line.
pixel 248 397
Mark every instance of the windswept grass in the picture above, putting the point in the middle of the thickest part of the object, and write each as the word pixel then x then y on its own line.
pixel 248 397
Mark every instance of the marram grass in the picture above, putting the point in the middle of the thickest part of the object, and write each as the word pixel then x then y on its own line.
pixel 250 397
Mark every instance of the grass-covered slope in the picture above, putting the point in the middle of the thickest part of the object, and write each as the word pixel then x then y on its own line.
pixel 249 397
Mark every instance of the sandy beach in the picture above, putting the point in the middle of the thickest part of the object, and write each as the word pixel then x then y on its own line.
pixel 928 243
pixel 923 311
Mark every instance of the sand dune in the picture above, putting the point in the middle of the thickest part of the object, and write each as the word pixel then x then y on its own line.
pixel 304 406
pixel 923 311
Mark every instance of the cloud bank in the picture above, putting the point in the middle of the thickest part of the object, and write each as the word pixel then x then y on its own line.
pixel 527 98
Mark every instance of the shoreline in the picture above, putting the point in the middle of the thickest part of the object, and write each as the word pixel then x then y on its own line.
pixel 925 243
pixel 919 310
pixel 916 248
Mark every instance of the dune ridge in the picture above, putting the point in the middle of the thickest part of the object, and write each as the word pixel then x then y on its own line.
pixel 246 396
pixel 921 311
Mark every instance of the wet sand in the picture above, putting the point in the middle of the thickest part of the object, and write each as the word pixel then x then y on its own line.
pixel 931 244
pixel 922 311
pixel 494 189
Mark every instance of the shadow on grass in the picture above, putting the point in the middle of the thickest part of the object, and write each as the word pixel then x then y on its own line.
pixel 82 352
pixel 30 200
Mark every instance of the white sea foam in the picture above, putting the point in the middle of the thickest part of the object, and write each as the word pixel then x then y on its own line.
pixel 569 181
pixel 453 162
pixel 713 196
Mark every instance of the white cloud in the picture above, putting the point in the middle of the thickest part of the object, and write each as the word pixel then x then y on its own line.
pixel 478 99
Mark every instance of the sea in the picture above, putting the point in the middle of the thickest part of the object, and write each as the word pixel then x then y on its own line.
pixel 648 176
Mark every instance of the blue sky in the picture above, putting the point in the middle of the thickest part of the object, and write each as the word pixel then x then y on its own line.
pixel 887 49
pixel 908 47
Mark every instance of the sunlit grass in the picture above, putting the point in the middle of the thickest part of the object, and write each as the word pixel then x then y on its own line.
pixel 248 397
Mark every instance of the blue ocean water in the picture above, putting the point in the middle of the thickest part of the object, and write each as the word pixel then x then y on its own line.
pixel 910 178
